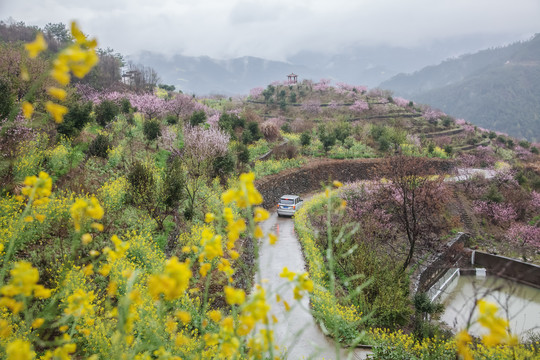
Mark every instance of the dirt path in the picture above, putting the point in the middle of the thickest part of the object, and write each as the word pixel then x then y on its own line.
pixel 296 331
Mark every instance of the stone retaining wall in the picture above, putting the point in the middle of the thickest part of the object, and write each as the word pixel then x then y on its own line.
pixel 312 177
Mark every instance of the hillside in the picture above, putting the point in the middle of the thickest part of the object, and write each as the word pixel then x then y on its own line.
pixel 493 88
pixel 503 98
pixel 132 217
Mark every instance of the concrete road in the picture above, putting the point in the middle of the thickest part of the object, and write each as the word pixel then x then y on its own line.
pixel 296 332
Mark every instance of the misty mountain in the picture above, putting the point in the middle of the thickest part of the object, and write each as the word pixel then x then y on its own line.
pixel 359 65
pixel 495 88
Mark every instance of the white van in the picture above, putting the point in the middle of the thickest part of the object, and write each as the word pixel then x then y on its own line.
pixel 288 204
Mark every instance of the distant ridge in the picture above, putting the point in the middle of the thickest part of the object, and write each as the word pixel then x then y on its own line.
pixel 497 88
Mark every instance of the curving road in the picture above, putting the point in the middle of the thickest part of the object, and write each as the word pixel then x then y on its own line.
pixel 296 332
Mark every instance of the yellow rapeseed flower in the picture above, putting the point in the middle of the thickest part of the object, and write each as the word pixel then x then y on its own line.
pixel 215 315
pixel 285 273
pixel 37 323
pixel 57 93
pixel 497 326
pixel 204 269
pixel 37 46
pixel 19 350
pixel 83 209
pixel 86 239
pixel 24 73
pixel 80 303
pixel 57 111
pixel 209 217
pixel 183 316
pixel 24 278
pixel 462 341
pixel 173 282
pixel 260 214
pixel 28 109
pixel 234 296
pixel 258 232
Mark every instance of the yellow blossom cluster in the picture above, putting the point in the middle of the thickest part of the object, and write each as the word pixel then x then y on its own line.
pixel 245 194
pixel 80 303
pixel 63 352
pixel 498 330
pixel 19 350
pixel 37 190
pixel 173 282
pixel 303 283
pixel 78 58
pixel 84 209
pixel 118 315
pixel 254 310
pixel 24 281
pixel 234 227
pixel 120 248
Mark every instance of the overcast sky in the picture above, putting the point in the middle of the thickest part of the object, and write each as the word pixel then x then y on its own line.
pixel 275 29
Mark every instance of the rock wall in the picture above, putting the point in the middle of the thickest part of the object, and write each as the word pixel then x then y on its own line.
pixel 313 176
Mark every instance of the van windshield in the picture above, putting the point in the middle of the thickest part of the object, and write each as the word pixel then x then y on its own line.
pixel 287 201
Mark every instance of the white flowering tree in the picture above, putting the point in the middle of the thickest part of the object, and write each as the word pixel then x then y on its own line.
pixel 201 147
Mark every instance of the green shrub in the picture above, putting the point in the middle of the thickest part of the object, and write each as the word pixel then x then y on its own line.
pixel 326 138
pixel 359 150
pixel 173 184
pixel 425 310
pixel 130 118
pixel 61 158
pixel 171 119
pixel 377 131
pixel 125 106
pixel 197 118
pixel 247 138
pixel 77 117
pixel 387 293
pixel 99 146
pixel 525 144
pixel 342 130
pixel 105 112
pixel 6 99
pixel 534 150
pixel 223 166
pixel 447 121
pixel 253 128
pixel 384 143
pixel 448 149
pixel 305 139
pixel 286 127
pixel 229 122
pixel 494 195
pixel 142 184
pixel 292 97
pixel 151 129
pixel 242 153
